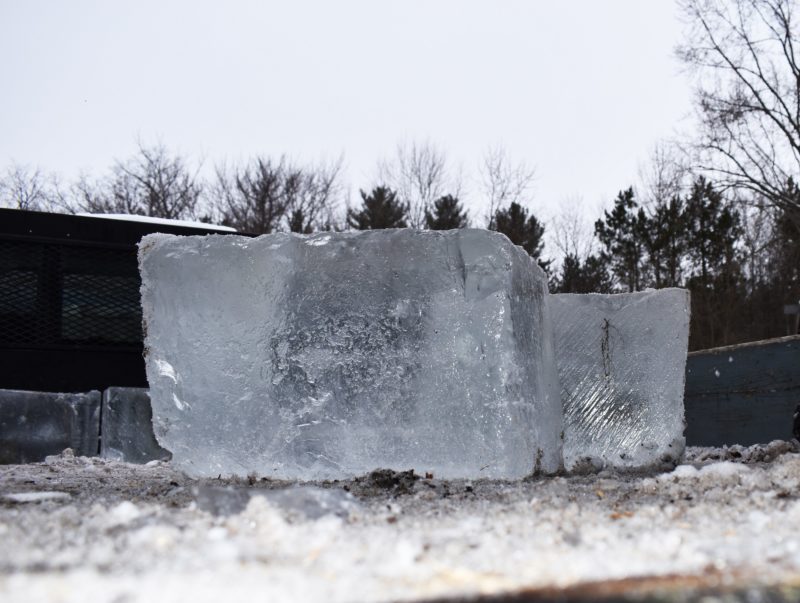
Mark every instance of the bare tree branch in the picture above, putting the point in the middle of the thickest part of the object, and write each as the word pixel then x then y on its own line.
pixel 23 187
pixel 748 92
pixel 502 182
pixel 663 176
pixel 268 195
pixel 150 183
pixel 572 235
pixel 419 173
pixel 314 204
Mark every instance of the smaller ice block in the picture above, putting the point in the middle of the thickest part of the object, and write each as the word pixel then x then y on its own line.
pixel 621 363
pixel 127 428
pixel 34 425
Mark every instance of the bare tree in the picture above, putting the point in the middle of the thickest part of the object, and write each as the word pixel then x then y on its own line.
pixel 269 195
pixel 24 187
pixel 503 182
pixel 743 53
pixel 151 183
pixel 113 195
pixel 663 180
pixel 572 234
pixel 419 173
pixel 757 239
pixel 664 174
pixel 254 198
pixel 313 203
pixel 90 195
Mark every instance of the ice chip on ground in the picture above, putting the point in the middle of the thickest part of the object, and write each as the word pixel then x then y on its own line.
pixel 621 364
pixel 33 497
pixel 312 502
pixel 221 500
pixel 308 502
pixel 331 355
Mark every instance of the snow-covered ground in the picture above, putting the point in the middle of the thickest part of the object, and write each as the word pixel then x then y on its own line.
pixel 102 530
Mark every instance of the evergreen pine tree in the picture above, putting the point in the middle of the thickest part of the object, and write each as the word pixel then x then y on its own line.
pixel 622 232
pixel 712 229
pixel 589 276
pixel 665 242
pixel 522 229
pixel 447 214
pixel 380 209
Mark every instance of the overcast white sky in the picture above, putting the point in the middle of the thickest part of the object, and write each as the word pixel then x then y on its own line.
pixel 581 89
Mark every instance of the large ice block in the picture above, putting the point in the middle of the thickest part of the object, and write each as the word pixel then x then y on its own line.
pixel 621 364
pixel 331 355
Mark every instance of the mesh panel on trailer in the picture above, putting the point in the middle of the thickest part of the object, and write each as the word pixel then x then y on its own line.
pixel 55 294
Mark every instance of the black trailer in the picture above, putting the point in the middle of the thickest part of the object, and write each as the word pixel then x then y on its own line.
pixel 70 313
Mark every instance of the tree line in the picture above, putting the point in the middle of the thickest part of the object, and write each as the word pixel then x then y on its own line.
pixel 717 211
pixel 740 259
pixel 738 255
pixel 417 189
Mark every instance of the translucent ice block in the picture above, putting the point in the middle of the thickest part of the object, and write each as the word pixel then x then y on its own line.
pixel 127 433
pixel 34 425
pixel 621 363
pixel 335 354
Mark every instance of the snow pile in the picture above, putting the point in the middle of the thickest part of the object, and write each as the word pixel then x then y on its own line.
pixel 142 533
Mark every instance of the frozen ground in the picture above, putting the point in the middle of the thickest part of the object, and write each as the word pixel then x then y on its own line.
pixel 92 530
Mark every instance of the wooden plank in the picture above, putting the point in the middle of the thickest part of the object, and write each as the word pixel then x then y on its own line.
pixel 743 394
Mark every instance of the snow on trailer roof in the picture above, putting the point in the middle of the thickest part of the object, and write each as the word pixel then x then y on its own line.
pixel 164 221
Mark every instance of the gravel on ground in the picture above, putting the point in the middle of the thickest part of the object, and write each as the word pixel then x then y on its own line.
pixel 95 530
